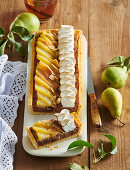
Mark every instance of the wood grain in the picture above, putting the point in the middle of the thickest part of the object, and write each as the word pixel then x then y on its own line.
pixel 68 12
pixel 106 25
pixel 109 36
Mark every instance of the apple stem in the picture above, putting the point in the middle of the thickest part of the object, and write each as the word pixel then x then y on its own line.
pixel 120 121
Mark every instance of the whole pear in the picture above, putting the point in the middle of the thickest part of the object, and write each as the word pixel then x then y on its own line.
pixel 114 76
pixel 112 100
pixel 26 20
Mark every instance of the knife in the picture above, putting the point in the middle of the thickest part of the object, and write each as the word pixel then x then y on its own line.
pixel 95 116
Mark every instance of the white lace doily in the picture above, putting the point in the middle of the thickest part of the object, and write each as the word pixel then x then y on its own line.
pixel 19 72
pixel 3 60
pixel 8 139
pixel 12 88
pixel 8 108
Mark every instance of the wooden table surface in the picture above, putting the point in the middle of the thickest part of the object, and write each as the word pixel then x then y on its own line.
pixel 106 25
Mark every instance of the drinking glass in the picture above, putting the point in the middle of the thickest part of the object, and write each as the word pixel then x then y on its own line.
pixel 43 9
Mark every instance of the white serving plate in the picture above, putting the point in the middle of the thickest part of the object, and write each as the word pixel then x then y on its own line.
pixel 30 119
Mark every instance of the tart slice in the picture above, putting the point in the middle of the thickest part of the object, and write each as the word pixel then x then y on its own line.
pixel 47 132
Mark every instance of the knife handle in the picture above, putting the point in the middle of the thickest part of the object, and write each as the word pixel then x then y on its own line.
pixel 95 116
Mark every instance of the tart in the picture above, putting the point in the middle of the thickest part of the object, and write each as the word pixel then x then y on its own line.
pixel 48 91
pixel 47 132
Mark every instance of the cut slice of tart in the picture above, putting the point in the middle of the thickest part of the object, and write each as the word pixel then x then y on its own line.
pixel 47 132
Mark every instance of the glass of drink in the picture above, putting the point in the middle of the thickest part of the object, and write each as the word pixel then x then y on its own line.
pixel 43 9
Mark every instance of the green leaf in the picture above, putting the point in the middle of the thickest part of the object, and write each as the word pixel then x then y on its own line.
pixel 23 33
pixel 127 64
pixel 2 46
pixel 19 48
pixel 113 142
pixel 74 166
pixel 118 60
pixel 85 167
pixel 11 37
pixel 2 32
pixel 101 151
pixel 80 143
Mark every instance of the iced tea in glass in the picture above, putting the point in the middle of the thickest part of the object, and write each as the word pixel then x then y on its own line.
pixel 43 9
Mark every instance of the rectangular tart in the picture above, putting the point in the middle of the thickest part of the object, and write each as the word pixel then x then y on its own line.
pixel 47 132
pixel 44 84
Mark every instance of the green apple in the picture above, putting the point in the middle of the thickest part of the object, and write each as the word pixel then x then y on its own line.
pixel 26 20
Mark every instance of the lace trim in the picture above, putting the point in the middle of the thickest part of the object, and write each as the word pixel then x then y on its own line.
pixel 8 108
pixel 8 141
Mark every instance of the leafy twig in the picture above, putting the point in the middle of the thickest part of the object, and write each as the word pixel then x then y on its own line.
pixel 121 61
pixel 74 166
pixel 102 153
pixel 21 32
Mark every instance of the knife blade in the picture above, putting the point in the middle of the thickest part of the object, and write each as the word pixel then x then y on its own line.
pixel 95 116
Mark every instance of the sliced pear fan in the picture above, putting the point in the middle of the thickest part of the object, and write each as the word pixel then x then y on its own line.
pixel 46 67
pixel 47 42
pixel 52 67
pixel 40 51
pixel 41 76
pixel 42 90
pixel 45 48
pixel 50 37
pixel 41 82
pixel 45 99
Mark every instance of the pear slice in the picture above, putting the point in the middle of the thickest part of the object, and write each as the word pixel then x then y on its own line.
pixel 40 51
pixel 42 124
pixel 41 136
pixel 45 48
pixel 41 82
pixel 41 130
pixel 47 42
pixel 47 35
pixel 45 99
pixel 48 60
pixel 40 103
pixel 42 90
pixel 41 76
pixel 44 70
pixel 45 76
pixel 45 60
pixel 52 67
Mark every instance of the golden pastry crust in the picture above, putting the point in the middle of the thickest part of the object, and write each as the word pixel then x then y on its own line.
pixel 31 84
pixel 35 144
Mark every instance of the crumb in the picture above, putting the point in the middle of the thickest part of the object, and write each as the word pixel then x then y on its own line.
pixel 56 147
pixel 51 149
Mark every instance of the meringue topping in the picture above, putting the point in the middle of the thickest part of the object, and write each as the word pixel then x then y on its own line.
pixel 66 120
pixel 67 65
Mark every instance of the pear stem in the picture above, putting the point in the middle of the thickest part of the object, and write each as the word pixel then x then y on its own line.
pixel 120 121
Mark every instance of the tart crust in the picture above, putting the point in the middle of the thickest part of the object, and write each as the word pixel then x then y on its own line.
pixel 37 146
pixel 37 110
